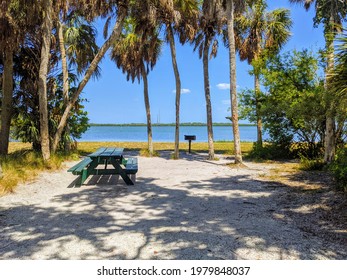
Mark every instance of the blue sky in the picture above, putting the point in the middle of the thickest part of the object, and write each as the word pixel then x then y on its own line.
pixel 112 99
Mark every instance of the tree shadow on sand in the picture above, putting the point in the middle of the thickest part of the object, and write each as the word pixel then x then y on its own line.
pixel 205 219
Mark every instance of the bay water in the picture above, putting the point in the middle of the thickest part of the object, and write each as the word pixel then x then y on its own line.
pixel 164 133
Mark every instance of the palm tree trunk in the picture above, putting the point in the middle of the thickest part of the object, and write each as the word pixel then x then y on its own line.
pixel 42 85
pixel 233 90
pixel 63 63
pixel 65 76
pixel 208 100
pixel 178 88
pixel 115 34
pixel 329 141
pixel 257 105
pixel 148 109
pixel 6 109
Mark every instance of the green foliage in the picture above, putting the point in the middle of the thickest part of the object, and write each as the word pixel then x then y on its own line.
pixel 293 109
pixel 311 164
pixel 25 123
pixel 270 151
pixel 339 169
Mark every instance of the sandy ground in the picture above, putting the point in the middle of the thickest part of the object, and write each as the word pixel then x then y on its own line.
pixel 178 209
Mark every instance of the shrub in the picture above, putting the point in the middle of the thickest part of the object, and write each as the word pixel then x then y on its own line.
pixel 308 164
pixel 270 151
pixel 339 169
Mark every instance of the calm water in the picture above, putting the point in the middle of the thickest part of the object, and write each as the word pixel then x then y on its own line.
pixel 164 133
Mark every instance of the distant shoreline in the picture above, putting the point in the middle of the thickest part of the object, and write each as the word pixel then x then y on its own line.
pixel 167 124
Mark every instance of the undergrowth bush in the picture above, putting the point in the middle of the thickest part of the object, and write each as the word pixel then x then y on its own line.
pixel 311 164
pixel 269 151
pixel 339 169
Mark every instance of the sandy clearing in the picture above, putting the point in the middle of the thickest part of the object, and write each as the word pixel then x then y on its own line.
pixel 179 209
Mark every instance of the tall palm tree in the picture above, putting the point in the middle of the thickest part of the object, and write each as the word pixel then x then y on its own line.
pixel 135 54
pixel 260 35
pixel 183 22
pixel 122 11
pixel 176 17
pixel 77 46
pixel 232 8
pixel 206 41
pixel 331 13
pixel 184 18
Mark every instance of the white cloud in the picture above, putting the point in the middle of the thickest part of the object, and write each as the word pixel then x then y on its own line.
pixel 183 90
pixel 223 86
pixel 226 102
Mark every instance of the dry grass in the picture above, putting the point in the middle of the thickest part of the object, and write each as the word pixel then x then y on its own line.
pixel 22 164
pixel 220 147
pixel 291 174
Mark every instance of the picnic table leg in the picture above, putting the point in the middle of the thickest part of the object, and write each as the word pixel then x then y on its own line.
pixel 121 172
pixel 86 172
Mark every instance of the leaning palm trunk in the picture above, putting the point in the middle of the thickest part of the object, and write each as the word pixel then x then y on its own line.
pixel 6 109
pixel 233 92
pixel 257 106
pixel 148 109
pixel 42 85
pixel 178 88
pixel 65 76
pixel 208 100
pixel 114 35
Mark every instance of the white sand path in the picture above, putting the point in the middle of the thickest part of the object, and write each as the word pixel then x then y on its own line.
pixel 178 209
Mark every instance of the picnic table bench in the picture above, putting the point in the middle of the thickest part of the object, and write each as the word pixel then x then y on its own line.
pixel 106 156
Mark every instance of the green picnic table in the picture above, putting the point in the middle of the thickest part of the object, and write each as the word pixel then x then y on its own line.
pixel 108 157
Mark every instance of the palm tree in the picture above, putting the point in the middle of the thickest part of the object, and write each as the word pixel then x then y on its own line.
pixel 331 13
pixel 210 26
pixel 176 17
pixel 338 77
pixel 260 35
pixel 122 11
pixel 338 83
pixel 183 22
pixel 135 54
pixel 77 48
pixel 233 7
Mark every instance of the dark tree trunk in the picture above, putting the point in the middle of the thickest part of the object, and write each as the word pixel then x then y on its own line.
pixel 6 109
pixel 42 85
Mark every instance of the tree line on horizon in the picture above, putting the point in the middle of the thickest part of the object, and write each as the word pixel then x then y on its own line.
pixel 49 53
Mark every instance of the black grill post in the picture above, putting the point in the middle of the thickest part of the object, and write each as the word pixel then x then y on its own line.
pixel 189 138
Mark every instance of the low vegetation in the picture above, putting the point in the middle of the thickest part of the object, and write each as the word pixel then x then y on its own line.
pixel 22 164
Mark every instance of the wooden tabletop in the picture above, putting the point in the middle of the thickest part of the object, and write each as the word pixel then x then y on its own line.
pixel 107 152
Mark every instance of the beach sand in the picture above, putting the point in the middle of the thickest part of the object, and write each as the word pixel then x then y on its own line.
pixel 189 208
